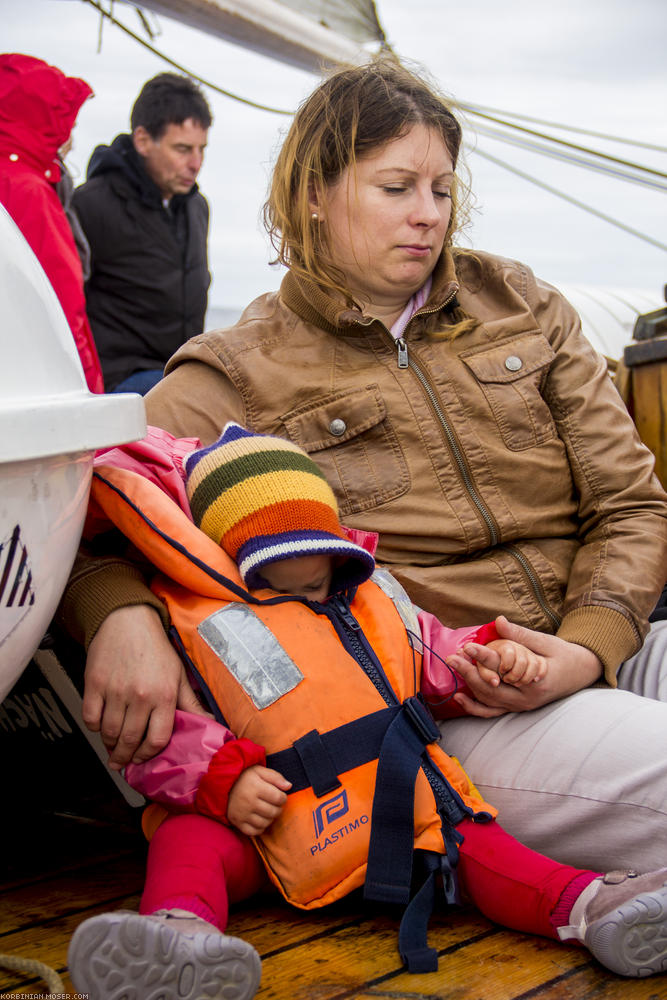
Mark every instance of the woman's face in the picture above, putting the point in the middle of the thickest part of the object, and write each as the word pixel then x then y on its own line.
pixel 385 221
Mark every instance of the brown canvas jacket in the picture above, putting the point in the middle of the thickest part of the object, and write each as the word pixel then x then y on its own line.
pixel 500 468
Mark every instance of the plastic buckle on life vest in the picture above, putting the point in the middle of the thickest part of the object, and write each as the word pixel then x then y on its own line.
pixel 421 719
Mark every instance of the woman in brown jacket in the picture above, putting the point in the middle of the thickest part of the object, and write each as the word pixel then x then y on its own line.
pixel 455 407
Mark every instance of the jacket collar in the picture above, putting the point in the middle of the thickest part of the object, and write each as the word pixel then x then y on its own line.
pixel 122 158
pixel 312 304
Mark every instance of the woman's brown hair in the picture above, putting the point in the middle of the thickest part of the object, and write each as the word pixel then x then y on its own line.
pixel 355 111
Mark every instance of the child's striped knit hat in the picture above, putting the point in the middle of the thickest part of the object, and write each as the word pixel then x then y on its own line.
pixel 263 499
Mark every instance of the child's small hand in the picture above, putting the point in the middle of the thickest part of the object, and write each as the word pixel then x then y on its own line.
pixel 256 799
pixel 518 664
pixel 486 659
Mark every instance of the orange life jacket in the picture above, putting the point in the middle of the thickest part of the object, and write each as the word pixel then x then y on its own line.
pixel 330 691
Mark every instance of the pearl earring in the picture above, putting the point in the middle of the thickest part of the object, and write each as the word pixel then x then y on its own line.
pixel 315 217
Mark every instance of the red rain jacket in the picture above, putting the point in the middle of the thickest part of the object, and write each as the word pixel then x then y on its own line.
pixel 38 109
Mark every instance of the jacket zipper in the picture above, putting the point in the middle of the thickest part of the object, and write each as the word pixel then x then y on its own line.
pixel 355 642
pixel 352 636
pixel 534 582
pixel 405 361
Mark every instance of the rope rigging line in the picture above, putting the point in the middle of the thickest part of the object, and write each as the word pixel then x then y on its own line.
pixel 573 158
pixel 569 198
pixel 572 145
pixel 480 111
pixel 476 108
pixel 181 68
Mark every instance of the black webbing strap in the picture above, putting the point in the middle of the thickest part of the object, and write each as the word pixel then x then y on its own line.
pixel 389 869
pixel 318 758
pixel 413 930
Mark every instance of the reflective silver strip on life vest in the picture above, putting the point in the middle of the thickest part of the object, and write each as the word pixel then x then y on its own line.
pixel 251 653
pixel 402 603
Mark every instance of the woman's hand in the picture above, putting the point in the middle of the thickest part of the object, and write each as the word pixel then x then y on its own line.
pixel 569 668
pixel 256 799
pixel 134 681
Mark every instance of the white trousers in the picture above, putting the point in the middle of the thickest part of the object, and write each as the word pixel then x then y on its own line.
pixel 584 779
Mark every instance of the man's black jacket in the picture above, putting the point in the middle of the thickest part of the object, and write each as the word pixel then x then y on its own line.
pixel 149 280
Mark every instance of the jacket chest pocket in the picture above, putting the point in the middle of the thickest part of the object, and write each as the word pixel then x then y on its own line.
pixel 511 376
pixel 350 437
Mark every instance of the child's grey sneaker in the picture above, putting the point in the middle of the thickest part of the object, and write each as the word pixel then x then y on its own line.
pixel 621 918
pixel 169 955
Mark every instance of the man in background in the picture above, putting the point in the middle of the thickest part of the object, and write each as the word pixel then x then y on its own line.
pixel 147 226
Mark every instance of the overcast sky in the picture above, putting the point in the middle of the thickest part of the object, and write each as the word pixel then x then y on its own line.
pixel 596 64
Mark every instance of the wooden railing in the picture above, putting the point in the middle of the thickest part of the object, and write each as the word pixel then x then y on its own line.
pixel 641 379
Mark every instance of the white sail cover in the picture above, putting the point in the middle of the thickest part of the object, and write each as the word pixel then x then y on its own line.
pixel 608 315
pixel 310 35
pixel 355 19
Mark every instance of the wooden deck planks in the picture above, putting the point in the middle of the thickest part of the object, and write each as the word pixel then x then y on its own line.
pixel 345 952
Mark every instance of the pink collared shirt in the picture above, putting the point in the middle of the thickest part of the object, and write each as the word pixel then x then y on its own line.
pixel 415 303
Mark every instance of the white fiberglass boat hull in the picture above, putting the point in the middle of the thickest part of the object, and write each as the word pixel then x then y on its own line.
pixel 50 427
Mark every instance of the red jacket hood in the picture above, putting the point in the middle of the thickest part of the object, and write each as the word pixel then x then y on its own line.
pixel 38 109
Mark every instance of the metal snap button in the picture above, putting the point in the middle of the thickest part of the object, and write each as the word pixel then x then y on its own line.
pixel 513 364
pixel 337 427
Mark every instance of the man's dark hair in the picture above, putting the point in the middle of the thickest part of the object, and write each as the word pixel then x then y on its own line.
pixel 169 99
